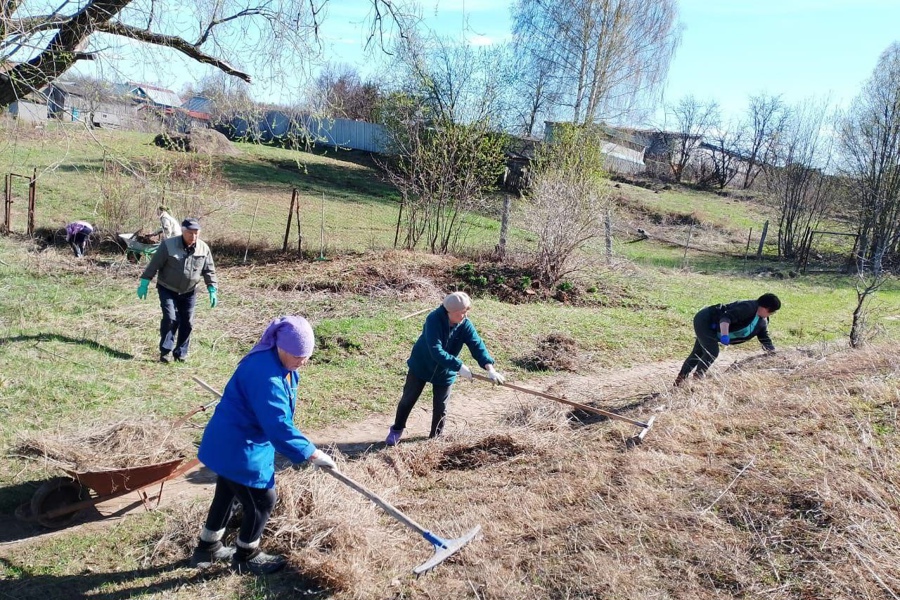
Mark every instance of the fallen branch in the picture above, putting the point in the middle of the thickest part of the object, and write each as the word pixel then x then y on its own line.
pixel 725 491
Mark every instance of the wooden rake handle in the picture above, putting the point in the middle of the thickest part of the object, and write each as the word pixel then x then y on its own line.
pixel 584 407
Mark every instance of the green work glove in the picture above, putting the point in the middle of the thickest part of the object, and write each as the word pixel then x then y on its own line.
pixel 142 289
pixel 213 299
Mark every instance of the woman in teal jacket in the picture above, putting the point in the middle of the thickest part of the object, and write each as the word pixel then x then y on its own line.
pixel 255 419
pixel 434 359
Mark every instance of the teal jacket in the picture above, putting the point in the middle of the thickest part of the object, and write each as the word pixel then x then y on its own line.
pixel 434 355
pixel 739 316
pixel 254 420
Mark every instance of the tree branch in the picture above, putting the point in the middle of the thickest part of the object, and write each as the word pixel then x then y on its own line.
pixel 171 41
pixel 247 12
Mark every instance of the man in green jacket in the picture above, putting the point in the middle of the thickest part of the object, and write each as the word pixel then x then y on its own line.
pixel 180 262
pixel 728 324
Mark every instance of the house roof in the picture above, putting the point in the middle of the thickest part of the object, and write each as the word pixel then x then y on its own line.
pixel 72 88
pixel 156 95
pixel 199 104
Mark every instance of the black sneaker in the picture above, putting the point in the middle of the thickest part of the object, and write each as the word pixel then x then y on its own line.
pixel 258 563
pixel 180 359
pixel 165 358
pixel 204 556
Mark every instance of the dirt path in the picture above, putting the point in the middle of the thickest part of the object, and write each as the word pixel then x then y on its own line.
pixel 627 391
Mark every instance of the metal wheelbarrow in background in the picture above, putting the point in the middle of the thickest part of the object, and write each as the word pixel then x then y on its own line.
pixel 135 249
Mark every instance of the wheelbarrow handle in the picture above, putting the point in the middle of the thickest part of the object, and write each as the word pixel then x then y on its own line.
pixel 202 408
pixel 584 407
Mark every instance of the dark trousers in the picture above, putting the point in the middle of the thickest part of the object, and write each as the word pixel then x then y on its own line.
pixel 257 506
pixel 177 321
pixel 78 243
pixel 706 347
pixel 412 389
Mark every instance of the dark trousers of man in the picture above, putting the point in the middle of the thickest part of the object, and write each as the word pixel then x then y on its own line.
pixel 78 242
pixel 257 506
pixel 706 348
pixel 412 389
pixel 177 321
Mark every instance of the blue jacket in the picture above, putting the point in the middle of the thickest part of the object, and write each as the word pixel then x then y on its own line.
pixel 434 355
pixel 254 419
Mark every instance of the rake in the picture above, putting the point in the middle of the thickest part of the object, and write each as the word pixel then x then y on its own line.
pixel 637 439
pixel 443 548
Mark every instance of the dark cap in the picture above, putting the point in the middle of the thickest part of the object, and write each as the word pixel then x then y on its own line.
pixel 191 223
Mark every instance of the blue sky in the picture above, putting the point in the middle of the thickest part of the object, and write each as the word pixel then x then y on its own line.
pixel 730 49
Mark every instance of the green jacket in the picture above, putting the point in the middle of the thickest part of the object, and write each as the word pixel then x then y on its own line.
pixel 179 270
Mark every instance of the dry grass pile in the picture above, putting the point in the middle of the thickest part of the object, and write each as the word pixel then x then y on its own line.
pixel 394 274
pixel 120 445
pixel 760 483
pixel 203 141
pixel 555 352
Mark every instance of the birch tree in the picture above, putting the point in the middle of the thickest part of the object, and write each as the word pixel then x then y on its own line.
pixel 604 56
pixel 870 144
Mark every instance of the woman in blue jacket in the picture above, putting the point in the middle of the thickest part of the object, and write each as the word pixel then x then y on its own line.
pixel 728 324
pixel 254 419
pixel 434 359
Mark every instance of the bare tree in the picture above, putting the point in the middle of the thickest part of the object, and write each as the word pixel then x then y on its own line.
pixel 440 127
pixel 721 161
pixel 604 56
pixel 533 90
pixel 798 175
pixel 567 199
pixel 766 119
pixel 40 40
pixel 692 120
pixel 339 91
pixel 870 143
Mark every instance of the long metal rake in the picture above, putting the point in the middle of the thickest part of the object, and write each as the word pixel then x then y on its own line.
pixel 443 548
pixel 637 439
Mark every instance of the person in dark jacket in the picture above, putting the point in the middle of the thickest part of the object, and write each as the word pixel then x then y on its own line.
pixel 253 421
pixel 180 263
pixel 434 359
pixel 77 234
pixel 728 324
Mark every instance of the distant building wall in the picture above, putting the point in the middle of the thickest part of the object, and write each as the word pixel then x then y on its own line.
pixel 349 134
pixel 30 112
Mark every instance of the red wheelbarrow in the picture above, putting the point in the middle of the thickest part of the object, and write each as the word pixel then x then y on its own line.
pixel 57 502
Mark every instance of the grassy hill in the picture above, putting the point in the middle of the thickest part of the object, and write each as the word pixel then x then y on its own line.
pixel 566 512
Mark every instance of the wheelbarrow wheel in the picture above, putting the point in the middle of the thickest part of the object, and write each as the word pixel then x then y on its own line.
pixel 56 494
pixel 132 257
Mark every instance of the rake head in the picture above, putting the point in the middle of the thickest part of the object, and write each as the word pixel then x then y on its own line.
pixel 444 549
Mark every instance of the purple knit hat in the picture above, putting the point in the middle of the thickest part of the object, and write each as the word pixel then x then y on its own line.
pixel 292 334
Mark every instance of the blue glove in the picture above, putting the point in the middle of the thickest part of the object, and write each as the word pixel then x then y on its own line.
pixel 142 289
pixel 213 298
pixel 725 339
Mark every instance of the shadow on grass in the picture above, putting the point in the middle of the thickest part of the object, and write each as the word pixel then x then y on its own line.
pixel 55 337
pixel 27 584
pixel 332 179
pixel 357 450
pixel 583 418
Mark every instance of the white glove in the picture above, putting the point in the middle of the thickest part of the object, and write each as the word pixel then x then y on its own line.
pixel 465 372
pixel 320 459
pixel 495 377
